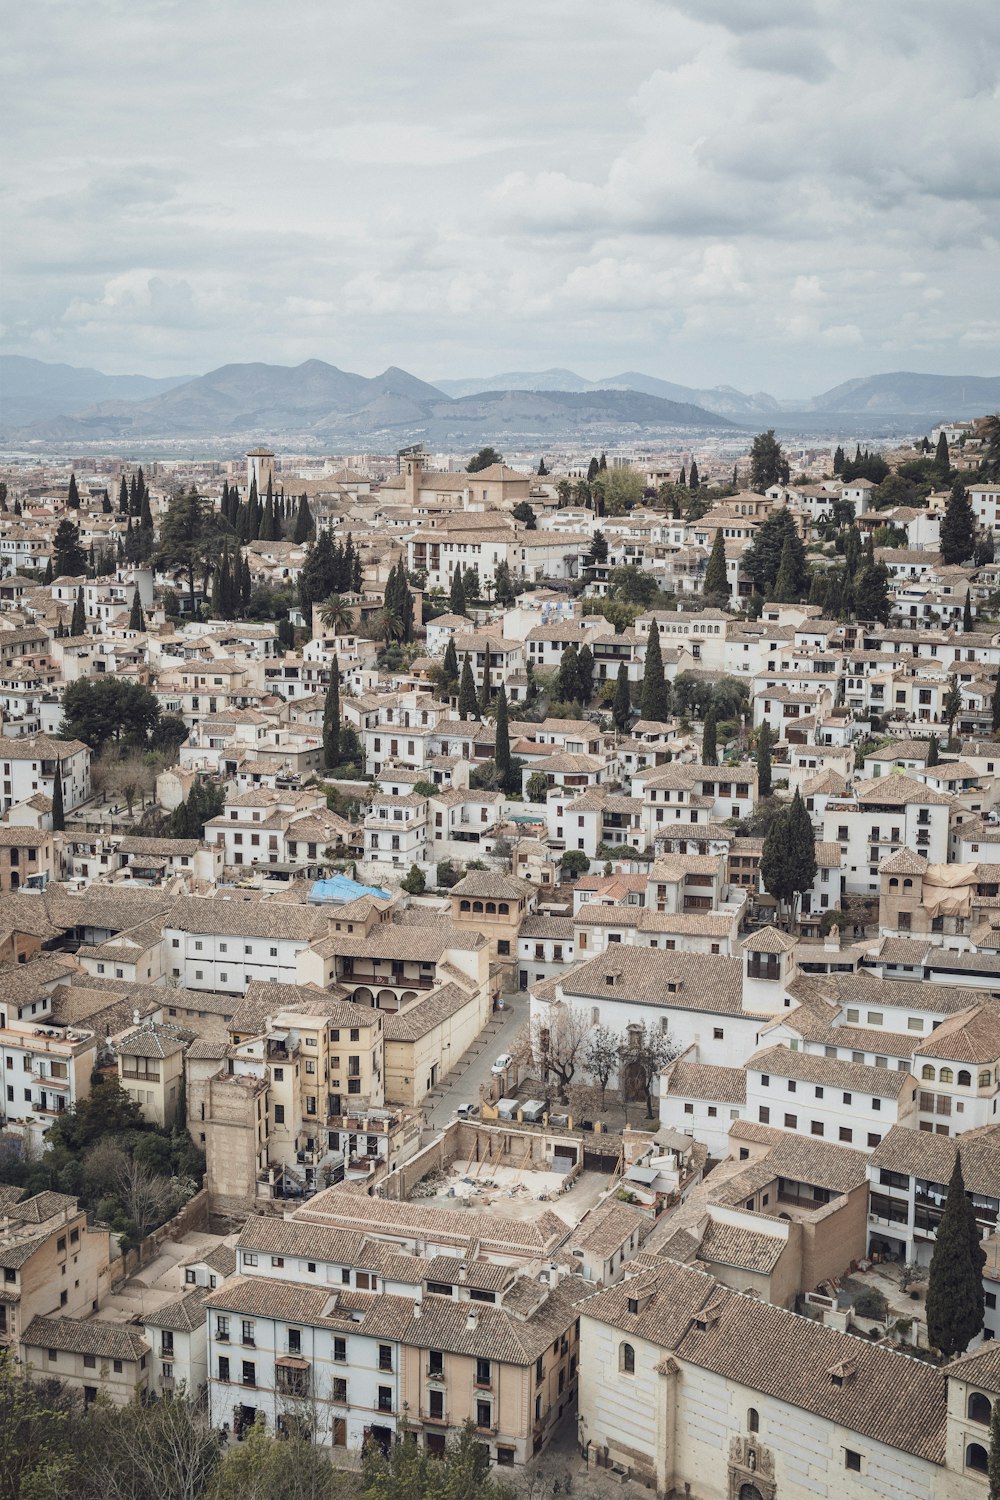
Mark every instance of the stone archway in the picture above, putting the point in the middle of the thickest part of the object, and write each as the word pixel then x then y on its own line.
pixel 750 1492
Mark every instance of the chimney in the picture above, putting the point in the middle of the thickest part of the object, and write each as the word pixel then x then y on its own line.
pixel 416 1308
pixel 472 1318
pixel 135 1016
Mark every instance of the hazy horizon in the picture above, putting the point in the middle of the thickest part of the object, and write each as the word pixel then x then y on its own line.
pixel 773 198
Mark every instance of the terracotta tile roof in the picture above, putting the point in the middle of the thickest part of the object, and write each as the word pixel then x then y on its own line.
pixel 650 976
pixel 897 791
pixel 918 1153
pixel 806 1158
pixel 706 1081
pixel 737 1246
pixel 904 862
pixel 972 1036
pixel 182 1316
pixel 768 940
pixel 782 1062
pixel 252 919
pixel 105 1340
pixel 494 886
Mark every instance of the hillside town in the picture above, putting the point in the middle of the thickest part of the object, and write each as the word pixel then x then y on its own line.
pixel 512 948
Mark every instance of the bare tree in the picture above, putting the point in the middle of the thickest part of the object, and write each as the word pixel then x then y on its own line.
pixel 553 1043
pixel 601 1052
pixel 130 778
pixel 148 1200
pixel 647 1051
pixel 166 1449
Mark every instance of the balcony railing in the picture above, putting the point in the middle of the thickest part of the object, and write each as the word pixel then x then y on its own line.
pixel 431 1416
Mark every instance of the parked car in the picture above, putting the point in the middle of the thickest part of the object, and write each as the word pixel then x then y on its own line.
pixel 501 1065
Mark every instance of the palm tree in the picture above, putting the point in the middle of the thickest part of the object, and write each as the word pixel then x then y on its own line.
pixel 336 615
pixel 387 627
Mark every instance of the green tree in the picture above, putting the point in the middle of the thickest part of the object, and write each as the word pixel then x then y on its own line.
pixel 585 673
pixel 593 469
pixel 693 479
pixel 318 578
pixel 573 864
pixel 501 755
pixel 450 670
pixel 788 584
pixel 958 526
pixel 73 496
pixel 993 1462
pixel 336 615
pixel 955 1297
pixel 503 584
pixel 933 751
pixel 484 459
pixel 537 786
pixel 768 464
pixel 621 708
pixel 136 619
pixel 952 707
pixel 631 585
pixel 305 527
pixel 655 702
pixel 331 718
pixel 995 705
pixel 542 470
pixel 988 429
pixel 716 584
pixel 411 1472
pixel 190 535
pixel 523 512
pixel 623 489
pixel 204 801
pixel 967 624
pixel 78 623
pixel 871 593
pixel 456 597
pixel 762 559
pixel 58 810
pixel 468 706
pixel 68 558
pixel 764 760
pixel 709 750
pixel 568 687
pixel 942 458
pixel 838 460
pixel 100 710
pixel 414 882
pixel 788 860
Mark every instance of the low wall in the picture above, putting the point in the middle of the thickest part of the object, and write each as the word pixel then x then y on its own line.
pixel 194 1215
pixel 502 1142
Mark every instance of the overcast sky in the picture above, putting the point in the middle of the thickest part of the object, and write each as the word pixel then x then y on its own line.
pixel 774 194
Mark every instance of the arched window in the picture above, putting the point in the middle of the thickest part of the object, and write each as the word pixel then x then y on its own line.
pixel 964 1076
pixel 979 1409
pixel 977 1458
pixel 491 908
pixel 503 909
pixel 893 883
pixel 927 1071
pixel 466 906
pixel 477 906
pixel 626 1359
pixel 907 885
pixel 946 1076
pixel 753 1420
pixel 985 1078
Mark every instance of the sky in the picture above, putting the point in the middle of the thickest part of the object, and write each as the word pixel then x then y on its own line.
pixel 772 194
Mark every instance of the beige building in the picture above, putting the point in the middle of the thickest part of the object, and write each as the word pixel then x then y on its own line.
pixel 51 1263
pixel 495 905
pixel 96 1358
pixel 151 1069
pixel 26 858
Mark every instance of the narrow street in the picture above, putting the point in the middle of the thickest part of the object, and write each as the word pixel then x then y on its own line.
pixel 462 1084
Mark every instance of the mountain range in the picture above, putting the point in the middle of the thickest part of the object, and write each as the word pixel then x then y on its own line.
pixel 315 404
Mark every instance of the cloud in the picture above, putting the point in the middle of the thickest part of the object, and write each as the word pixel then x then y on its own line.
pixel 760 194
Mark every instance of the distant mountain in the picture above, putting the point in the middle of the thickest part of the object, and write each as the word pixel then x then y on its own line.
pixel 723 399
pixel 943 396
pixel 31 390
pixel 317 403
pixel 521 380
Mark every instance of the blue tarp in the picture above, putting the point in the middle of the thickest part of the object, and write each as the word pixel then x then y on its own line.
pixel 339 889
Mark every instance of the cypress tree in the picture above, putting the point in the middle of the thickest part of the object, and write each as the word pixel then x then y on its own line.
pixel 933 751
pixel 967 612
pixel 958 526
pixel 78 624
pixel 457 596
pixel 603 463
pixel 569 677
pixel 133 497
pixel 995 705
pixel 542 470
pixel 621 708
pixel 592 469
pixel 693 478
pixel 73 496
pixel 304 527
pixel 955 1298
pixel 331 718
pixel 106 504
pixel 764 760
pixel 47 578
pixel 451 664
pixel 709 749
pixel 716 584
pixel 501 755
pixel 468 707
pixel 585 673
pixel 58 811
pixel 838 460
pixel 993 1462
pixel 253 513
pixel 682 478
pixel 788 860
pixel 123 497
pixel 135 619
pixel 942 459
pixel 655 701
pixel 145 514
pixel 785 590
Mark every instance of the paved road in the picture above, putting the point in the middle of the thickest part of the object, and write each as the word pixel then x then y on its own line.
pixel 462 1084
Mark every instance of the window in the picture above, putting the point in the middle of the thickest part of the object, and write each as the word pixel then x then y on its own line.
pixel 979 1409
pixel 249 1372
pixel 279 1114
pixel 927 1072
pixel 484 1372
pixel 852 1460
pixel 791 1122
pixel 340 1350
pixel 385 1356
pixel 223 1368
pixel 846 1134
pixel 385 1398
pixel 294 1341
pixel 484 1414
pixel 977 1458
pixel 626 1359
pixel 753 1420
pixel 946 1075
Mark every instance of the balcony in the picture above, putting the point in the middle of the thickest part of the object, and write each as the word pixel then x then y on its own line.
pixel 442 1418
